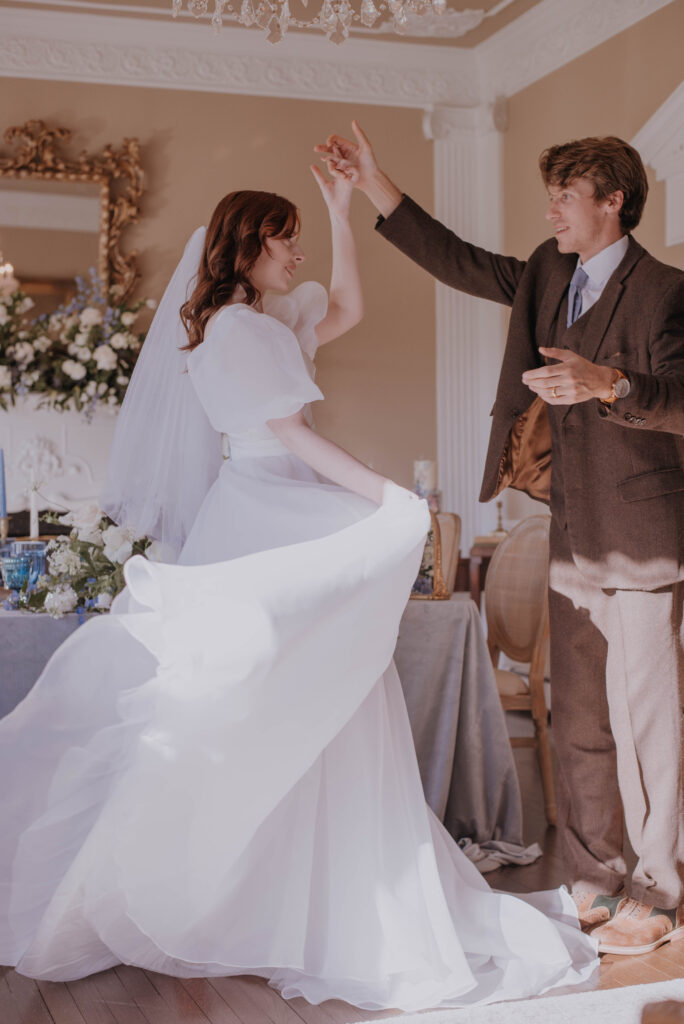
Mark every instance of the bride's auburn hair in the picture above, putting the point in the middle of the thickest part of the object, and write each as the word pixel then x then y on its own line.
pixel 237 232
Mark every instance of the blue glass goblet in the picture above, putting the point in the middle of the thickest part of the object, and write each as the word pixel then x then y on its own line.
pixel 36 550
pixel 15 570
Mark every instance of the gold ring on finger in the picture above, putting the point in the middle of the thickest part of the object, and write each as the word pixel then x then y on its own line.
pixel 553 392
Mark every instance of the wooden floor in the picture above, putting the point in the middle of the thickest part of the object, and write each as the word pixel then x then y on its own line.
pixel 126 995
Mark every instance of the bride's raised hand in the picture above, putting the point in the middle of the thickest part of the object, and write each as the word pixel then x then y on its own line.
pixel 336 190
pixel 355 160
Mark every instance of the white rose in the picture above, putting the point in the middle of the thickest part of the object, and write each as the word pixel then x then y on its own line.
pixel 4 315
pixel 86 516
pixel 42 344
pixel 70 321
pixel 90 388
pixel 105 357
pixel 155 552
pixel 120 554
pixel 113 400
pixel 55 322
pixel 25 305
pixel 90 316
pixel 128 318
pixel 119 340
pixel 101 389
pixel 60 601
pixel 5 377
pixel 23 352
pixel 29 379
pixel 103 601
pixel 82 353
pixel 151 303
pixel 76 371
pixel 122 380
pixel 118 543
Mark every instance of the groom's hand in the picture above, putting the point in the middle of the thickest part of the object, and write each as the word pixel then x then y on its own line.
pixel 569 380
pixel 356 161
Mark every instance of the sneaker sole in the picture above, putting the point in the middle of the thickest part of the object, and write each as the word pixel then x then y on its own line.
pixel 673 936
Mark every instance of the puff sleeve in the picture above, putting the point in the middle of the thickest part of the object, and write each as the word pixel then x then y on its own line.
pixel 250 369
pixel 303 308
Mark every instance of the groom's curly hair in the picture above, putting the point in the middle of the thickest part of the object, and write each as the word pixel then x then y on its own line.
pixel 237 231
pixel 609 163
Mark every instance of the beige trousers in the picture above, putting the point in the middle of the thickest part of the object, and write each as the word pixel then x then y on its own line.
pixel 617 679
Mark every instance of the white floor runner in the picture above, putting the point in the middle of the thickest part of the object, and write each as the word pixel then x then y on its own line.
pixel 613 1006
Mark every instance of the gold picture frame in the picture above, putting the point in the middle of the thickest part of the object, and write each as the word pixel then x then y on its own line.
pixel 39 153
pixel 440 591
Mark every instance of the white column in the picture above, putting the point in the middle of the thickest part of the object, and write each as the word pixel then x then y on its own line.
pixel 468 157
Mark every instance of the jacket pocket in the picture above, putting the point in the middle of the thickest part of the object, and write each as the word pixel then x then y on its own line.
pixel 652 485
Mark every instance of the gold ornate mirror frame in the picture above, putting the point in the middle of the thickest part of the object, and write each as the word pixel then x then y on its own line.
pixel 118 173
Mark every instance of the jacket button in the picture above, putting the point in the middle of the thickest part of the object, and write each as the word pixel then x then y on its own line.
pixel 629 417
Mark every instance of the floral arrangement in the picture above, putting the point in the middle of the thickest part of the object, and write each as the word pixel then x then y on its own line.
pixel 84 567
pixel 79 357
pixel 425 580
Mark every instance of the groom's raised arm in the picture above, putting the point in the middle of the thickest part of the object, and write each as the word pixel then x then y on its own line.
pixel 425 240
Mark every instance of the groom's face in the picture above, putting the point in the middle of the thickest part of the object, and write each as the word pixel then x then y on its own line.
pixel 581 223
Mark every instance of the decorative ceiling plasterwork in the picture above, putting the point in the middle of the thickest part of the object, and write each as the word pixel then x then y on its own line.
pixel 98 48
pixel 551 35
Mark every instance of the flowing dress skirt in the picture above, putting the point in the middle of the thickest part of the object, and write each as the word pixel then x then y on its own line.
pixel 219 778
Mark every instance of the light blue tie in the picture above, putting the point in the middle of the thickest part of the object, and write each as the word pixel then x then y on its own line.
pixel 577 283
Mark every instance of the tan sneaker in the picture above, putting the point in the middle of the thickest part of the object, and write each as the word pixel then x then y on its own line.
pixel 638 928
pixel 594 908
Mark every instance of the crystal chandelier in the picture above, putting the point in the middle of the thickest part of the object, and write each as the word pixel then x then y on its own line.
pixel 335 17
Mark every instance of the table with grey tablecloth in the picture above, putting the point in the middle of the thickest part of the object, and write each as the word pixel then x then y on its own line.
pixel 458 725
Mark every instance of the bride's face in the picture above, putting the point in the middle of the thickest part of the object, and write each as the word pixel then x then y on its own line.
pixel 276 264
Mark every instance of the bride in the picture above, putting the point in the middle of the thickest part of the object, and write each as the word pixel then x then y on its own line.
pixel 219 777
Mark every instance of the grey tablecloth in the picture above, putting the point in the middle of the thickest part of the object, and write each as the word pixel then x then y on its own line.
pixel 460 734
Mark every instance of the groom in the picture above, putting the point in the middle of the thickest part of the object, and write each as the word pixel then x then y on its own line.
pixel 594 372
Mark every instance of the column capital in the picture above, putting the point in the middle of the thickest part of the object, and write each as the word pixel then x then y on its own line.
pixel 444 123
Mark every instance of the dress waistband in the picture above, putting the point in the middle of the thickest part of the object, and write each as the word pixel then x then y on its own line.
pixel 256 449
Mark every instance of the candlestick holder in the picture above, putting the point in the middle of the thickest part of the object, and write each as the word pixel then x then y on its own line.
pixel 4 527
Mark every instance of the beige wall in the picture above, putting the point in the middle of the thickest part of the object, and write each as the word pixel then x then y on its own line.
pixel 612 90
pixel 379 380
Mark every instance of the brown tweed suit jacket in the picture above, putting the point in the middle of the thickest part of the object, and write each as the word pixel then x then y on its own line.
pixel 623 465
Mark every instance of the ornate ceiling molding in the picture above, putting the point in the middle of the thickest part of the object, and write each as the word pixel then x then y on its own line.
pixel 551 35
pixel 119 51
pixel 63 45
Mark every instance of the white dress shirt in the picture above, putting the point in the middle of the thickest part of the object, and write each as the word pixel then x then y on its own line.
pixel 599 268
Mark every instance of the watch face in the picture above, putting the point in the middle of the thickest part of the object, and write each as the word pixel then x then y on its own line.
pixel 621 388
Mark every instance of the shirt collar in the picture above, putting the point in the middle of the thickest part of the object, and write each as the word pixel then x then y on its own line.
pixel 600 267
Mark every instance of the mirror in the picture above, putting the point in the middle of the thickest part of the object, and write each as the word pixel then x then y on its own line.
pixel 61 214
pixel 50 233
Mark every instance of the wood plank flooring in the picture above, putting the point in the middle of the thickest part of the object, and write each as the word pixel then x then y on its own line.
pixel 127 995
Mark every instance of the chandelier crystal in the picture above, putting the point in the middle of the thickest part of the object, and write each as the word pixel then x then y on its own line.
pixel 335 17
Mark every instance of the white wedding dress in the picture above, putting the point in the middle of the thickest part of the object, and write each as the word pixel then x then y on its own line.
pixel 219 777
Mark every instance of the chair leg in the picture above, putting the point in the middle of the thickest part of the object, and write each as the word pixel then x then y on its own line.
pixel 546 771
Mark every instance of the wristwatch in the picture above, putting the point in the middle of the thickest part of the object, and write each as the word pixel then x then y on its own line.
pixel 620 388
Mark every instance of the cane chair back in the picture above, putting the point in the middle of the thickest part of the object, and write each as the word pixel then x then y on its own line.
pixel 516 603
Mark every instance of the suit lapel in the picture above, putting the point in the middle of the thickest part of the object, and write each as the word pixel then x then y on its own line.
pixel 602 312
pixel 556 287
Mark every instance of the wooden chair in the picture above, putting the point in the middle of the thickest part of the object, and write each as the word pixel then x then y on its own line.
pixel 450 532
pixel 516 605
